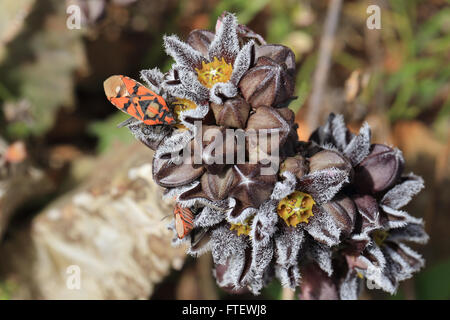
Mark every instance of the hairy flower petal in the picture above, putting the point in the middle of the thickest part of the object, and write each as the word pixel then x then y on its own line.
pixel 322 227
pixel 403 192
pixel 288 243
pixel 183 54
pixel 225 243
pixel 323 185
pixel 153 78
pixel 412 232
pixel 225 43
pixel 359 146
pixel 350 287
pixel 243 61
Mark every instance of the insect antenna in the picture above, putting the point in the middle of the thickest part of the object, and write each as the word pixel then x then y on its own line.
pixel 128 122
pixel 167 215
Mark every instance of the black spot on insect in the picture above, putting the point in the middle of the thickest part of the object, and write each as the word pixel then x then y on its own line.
pixel 126 105
pixel 135 88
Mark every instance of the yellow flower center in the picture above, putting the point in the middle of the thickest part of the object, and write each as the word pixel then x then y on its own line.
pixel 213 72
pixel 179 106
pixel 379 236
pixel 296 208
pixel 242 228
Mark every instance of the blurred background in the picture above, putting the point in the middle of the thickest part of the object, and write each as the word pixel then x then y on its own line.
pixel 76 195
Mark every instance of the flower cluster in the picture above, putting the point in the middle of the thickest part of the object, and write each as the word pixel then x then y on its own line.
pixel 329 211
pixel 373 247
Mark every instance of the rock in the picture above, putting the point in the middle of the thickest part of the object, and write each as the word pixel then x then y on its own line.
pixel 110 231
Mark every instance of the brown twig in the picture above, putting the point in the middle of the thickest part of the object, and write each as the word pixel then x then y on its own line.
pixel 323 65
pixel 205 278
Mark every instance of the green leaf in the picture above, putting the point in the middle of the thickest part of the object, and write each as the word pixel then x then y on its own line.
pixel 434 283
pixel 273 291
pixel 107 132
pixel 6 289
pixel 304 76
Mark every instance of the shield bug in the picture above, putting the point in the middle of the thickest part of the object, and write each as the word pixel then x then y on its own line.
pixel 135 99
pixel 184 221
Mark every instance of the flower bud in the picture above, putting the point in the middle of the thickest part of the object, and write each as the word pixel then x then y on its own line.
pixel 267 84
pixel 218 186
pixel 252 188
pixel 379 170
pixel 296 165
pixel 233 113
pixel 168 174
pixel 328 159
pixel 368 208
pixel 343 211
pixel 217 145
pixel 266 118
pixel 200 40
pixel 279 53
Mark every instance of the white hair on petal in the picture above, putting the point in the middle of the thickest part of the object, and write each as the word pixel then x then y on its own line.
pixel 148 134
pixel 244 215
pixel 285 187
pixel 400 218
pixel 199 251
pixel 183 54
pixel 361 237
pixel 242 62
pixel 289 276
pixel 288 243
pixel 375 254
pixel 359 146
pixel 323 228
pixel 225 243
pixel 232 275
pixel 262 230
pixel 220 205
pixel 226 42
pixel 412 232
pixel 192 85
pixel 322 255
pixel 324 184
pixel 350 287
pixel 153 78
pixel 261 257
pixel 402 193
pixel 407 267
pixel 175 143
pixel 382 273
pixel 264 223
pixel 329 146
pixel 198 113
pixel 209 217
pixel 219 89
pixel 339 131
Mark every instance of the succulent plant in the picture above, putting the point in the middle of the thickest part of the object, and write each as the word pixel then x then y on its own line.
pixel 375 249
pixel 273 206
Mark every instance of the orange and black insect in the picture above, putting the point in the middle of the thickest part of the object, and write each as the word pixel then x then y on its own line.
pixel 184 221
pixel 133 98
